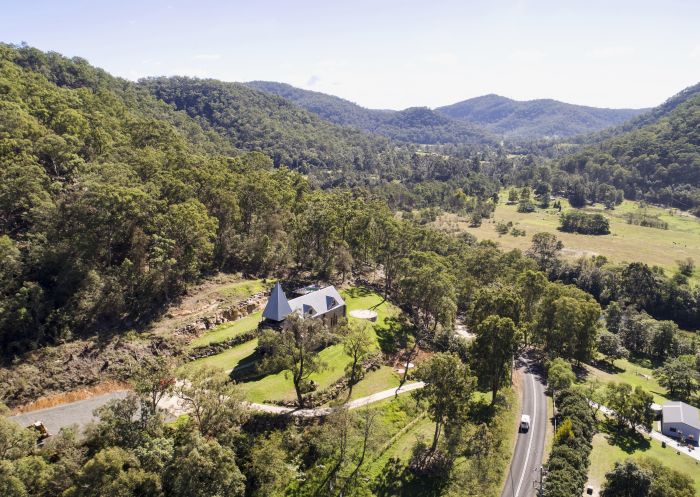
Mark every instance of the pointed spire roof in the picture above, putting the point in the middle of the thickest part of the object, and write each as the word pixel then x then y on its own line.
pixel 277 307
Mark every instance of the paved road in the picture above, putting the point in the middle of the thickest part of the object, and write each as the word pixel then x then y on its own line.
pixel 78 413
pixel 529 448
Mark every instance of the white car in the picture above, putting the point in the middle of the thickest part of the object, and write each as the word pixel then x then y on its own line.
pixel 524 423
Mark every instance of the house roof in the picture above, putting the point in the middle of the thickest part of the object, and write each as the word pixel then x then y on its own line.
pixel 317 303
pixel 277 307
pixel 680 412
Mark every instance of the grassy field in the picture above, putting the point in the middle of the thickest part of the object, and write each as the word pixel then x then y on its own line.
pixel 244 289
pixel 375 381
pixel 634 374
pixel 609 448
pixel 227 360
pixel 228 330
pixel 626 243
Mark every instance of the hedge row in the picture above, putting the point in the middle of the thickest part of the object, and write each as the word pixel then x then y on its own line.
pixel 567 468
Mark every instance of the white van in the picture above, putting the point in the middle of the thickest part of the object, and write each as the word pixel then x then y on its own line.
pixel 524 423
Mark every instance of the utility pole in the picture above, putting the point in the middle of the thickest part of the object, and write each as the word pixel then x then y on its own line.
pixel 539 482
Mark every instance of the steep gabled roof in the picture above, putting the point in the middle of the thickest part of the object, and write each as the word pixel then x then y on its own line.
pixel 277 307
pixel 321 301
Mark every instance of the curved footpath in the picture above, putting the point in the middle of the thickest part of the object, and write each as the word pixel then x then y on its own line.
pixel 527 458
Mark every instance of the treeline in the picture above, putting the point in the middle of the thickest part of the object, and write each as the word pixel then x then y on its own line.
pixel 647 288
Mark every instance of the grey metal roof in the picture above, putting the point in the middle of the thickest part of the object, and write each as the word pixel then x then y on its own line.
pixel 277 307
pixel 317 303
pixel 680 412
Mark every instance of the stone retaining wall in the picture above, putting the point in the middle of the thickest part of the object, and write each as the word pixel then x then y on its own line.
pixel 225 315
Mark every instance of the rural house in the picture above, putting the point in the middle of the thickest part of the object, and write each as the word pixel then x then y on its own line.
pixel 313 302
pixel 680 420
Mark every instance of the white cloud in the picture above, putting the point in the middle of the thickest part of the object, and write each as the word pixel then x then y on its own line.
pixel 695 52
pixel 313 80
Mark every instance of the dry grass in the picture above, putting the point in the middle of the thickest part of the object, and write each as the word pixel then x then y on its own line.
pixel 626 243
pixel 72 396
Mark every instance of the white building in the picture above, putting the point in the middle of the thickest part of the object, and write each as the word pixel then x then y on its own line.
pixel 680 420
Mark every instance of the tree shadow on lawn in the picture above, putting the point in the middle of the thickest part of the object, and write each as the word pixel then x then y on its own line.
pixel 393 335
pixel 246 369
pixel 624 438
pixel 359 291
pixel 607 367
pixel 397 480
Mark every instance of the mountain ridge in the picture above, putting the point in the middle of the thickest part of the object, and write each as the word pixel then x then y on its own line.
pixel 544 117
pixel 491 115
pixel 414 124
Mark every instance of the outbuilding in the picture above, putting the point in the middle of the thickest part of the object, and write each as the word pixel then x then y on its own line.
pixel 680 420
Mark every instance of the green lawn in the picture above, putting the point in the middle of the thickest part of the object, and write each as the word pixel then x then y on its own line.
pixel 605 453
pixel 402 446
pixel 626 243
pixel 228 330
pixel 227 360
pixel 375 381
pixel 628 372
pixel 279 386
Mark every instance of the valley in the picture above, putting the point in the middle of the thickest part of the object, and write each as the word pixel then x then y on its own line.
pixel 211 288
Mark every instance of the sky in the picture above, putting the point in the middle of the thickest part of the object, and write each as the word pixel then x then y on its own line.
pixel 385 53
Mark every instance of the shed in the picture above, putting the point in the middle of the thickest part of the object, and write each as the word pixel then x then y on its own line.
pixel 680 420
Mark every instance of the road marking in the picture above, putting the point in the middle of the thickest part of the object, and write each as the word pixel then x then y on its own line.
pixel 531 433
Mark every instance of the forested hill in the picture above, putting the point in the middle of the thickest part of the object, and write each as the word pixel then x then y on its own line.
pixel 112 202
pixel 415 124
pixel 535 118
pixel 257 121
pixel 334 109
pixel 109 200
pixel 658 161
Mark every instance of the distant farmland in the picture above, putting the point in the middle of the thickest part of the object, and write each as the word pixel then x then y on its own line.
pixel 626 243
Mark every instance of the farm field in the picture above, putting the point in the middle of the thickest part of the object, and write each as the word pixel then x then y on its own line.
pixel 610 448
pixel 626 243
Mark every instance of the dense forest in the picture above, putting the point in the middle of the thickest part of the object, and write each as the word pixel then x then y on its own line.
pixel 657 159
pixel 112 202
pixel 482 119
